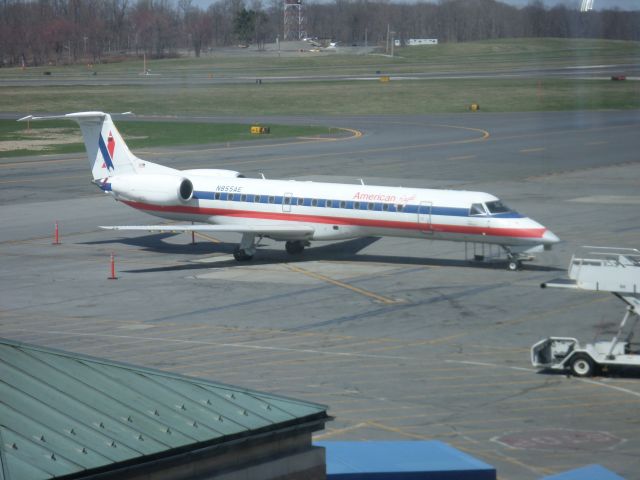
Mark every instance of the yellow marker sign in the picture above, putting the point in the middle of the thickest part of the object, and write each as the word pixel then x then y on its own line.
pixel 257 130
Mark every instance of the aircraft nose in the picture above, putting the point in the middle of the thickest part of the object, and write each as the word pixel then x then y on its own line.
pixel 549 238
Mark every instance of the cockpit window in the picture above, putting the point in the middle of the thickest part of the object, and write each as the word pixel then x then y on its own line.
pixel 497 207
pixel 477 209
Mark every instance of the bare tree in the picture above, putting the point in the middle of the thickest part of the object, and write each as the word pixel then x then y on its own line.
pixel 199 27
pixel 43 31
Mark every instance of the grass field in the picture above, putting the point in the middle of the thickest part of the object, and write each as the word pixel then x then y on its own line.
pixel 331 98
pixel 190 93
pixel 453 57
pixel 18 139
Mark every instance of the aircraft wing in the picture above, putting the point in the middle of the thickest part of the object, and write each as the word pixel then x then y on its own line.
pixel 290 232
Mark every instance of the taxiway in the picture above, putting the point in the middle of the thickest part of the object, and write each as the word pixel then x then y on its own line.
pixel 402 339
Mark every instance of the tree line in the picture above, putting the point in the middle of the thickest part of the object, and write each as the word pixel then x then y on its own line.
pixel 37 32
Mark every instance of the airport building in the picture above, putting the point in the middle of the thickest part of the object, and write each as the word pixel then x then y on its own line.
pixel 70 416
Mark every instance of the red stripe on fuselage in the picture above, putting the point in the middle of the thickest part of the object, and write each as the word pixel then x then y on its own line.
pixel 355 222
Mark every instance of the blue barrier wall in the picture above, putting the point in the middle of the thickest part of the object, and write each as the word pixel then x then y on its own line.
pixel 413 460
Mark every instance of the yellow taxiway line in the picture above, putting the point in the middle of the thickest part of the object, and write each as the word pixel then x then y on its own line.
pixel 361 291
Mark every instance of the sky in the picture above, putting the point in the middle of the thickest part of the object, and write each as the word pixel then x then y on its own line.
pixel 598 4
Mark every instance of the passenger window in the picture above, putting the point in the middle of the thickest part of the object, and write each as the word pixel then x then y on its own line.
pixel 356 205
pixel 329 203
pixel 272 199
pixel 314 202
pixel 217 196
pixel 300 201
pixel 477 209
pixel 243 198
pixel 343 204
pixel 287 200
pixel 385 207
pixel 399 207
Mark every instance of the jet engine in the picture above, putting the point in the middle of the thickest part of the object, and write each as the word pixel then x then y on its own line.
pixel 154 188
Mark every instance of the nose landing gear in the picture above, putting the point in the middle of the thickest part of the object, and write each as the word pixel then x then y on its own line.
pixel 514 265
pixel 515 259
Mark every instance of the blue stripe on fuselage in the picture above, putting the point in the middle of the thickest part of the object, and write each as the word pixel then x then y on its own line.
pixel 350 205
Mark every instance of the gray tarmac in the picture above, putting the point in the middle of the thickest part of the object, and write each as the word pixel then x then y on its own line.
pixel 402 339
pixel 224 76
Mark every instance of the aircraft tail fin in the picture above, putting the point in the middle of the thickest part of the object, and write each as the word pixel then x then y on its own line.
pixel 107 151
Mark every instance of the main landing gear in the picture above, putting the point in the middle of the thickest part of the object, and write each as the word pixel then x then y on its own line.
pixel 247 247
pixel 295 247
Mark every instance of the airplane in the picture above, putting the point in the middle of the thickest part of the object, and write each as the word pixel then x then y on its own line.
pixel 296 212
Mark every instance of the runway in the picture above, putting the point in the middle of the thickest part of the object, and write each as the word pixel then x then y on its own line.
pixel 402 339
pixel 230 76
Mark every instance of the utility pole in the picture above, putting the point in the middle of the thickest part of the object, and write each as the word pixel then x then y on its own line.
pixel 393 41
pixel 387 50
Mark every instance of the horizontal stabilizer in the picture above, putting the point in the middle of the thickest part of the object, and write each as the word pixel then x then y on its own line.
pixel 69 116
pixel 289 231
pixel 77 116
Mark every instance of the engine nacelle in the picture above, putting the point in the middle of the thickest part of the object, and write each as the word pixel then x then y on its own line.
pixel 213 173
pixel 154 188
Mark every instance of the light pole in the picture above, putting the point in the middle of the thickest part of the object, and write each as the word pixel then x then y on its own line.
pixel 586 5
pixel 393 41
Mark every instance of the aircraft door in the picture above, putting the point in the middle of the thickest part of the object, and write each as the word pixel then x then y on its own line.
pixel 286 202
pixel 424 217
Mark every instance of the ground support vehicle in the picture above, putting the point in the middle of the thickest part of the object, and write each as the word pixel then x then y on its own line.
pixel 604 269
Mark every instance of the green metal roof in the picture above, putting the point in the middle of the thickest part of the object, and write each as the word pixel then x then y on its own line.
pixel 63 413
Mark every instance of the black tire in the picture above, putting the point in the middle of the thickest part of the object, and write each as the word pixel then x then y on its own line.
pixel 582 365
pixel 294 247
pixel 514 265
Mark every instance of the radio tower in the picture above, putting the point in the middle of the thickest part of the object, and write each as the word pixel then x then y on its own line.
pixel 293 20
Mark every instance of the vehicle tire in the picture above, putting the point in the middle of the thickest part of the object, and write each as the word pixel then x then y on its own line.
pixel 514 265
pixel 582 365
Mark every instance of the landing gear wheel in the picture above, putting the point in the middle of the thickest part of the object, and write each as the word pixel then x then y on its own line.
pixel 294 247
pixel 514 265
pixel 240 255
pixel 582 365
